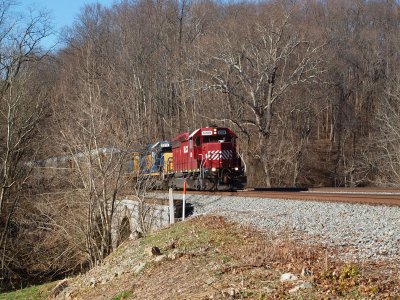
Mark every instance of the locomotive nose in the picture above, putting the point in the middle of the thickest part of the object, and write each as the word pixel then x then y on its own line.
pixel 220 155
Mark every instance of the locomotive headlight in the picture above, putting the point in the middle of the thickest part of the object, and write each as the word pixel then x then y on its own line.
pixel 236 169
pixel 213 169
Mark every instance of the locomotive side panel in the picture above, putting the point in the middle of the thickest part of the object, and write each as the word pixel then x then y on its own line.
pixel 182 150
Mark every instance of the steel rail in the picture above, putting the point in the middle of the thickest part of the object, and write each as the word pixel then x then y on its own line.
pixel 362 197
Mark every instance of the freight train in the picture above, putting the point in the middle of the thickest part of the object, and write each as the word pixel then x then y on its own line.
pixel 205 159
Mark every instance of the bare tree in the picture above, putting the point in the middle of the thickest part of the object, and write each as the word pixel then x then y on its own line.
pixel 257 71
pixel 100 127
pixel 98 167
pixel 389 133
pixel 20 111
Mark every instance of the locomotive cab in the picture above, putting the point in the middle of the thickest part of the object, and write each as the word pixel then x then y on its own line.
pixel 155 160
pixel 161 158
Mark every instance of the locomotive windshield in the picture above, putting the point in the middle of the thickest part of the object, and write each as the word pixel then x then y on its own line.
pixel 217 138
pixel 166 149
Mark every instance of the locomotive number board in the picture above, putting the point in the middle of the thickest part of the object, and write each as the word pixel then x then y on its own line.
pixel 207 132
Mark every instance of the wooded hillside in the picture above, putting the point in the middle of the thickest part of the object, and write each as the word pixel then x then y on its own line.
pixel 311 87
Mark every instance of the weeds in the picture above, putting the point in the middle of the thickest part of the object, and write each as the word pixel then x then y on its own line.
pixel 123 295
pixel 31 293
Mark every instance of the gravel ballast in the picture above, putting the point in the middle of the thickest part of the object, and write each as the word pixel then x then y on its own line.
pixel 360 231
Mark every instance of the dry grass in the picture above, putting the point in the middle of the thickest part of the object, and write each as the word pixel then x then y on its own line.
pixel 216 259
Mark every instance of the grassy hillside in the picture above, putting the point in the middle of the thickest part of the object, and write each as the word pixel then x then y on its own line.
pixel 210 258
pixel 31 293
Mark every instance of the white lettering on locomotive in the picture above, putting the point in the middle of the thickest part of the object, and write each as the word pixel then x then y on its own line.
pixel 185 149
pixel 207 132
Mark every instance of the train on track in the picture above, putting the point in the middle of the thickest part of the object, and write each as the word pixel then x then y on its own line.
pixel 205 159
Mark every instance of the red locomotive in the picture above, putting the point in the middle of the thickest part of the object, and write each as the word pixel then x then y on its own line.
pixel 207 159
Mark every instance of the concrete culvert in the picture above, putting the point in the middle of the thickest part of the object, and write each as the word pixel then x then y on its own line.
pixel 124 230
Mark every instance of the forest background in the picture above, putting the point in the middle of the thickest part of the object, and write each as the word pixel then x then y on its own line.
pixel 310 87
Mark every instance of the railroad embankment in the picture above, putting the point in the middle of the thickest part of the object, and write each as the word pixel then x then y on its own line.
pixel 209 257
pixel 358 231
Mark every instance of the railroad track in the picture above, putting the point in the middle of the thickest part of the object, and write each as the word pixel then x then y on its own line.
pixel 365 196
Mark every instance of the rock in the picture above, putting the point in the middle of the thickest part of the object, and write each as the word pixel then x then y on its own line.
pixel 306 272
pixel 210 281
pixel 175 255
pixel 118 272
pixel 60 287
pixel 138 268
pixel 288 277
pixel 268 290
pixel 153 251
pixel 303 286
pixel 170 246
pixel 92 282
pixel 148 251
pixel 230 292
pixel 135 235
pixel 104 280
pixel 67 294
pixel 306 285
pixel 160 258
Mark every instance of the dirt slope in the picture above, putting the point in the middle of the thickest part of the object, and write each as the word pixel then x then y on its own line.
pixel 209 258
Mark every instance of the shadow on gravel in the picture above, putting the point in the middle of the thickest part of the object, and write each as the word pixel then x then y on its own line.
pixel 189 209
